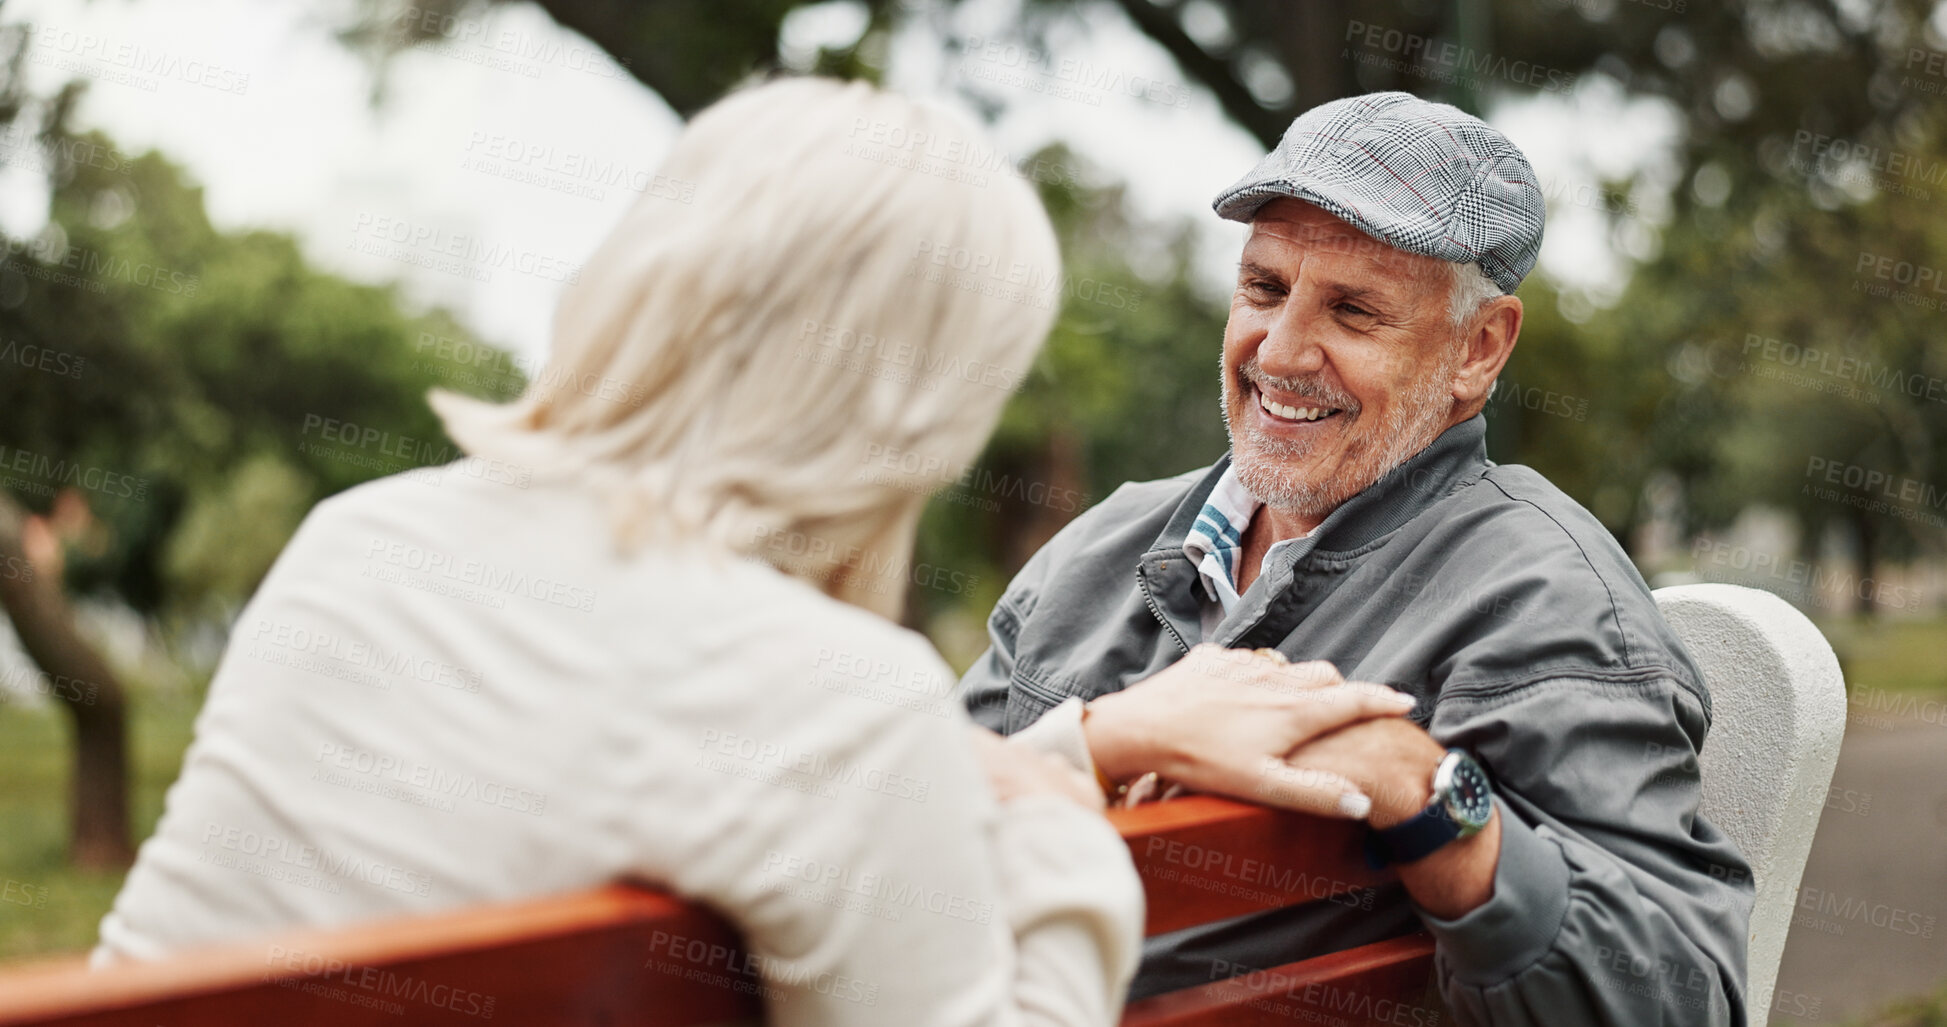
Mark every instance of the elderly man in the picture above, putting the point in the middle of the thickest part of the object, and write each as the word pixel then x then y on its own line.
pixel 1540 803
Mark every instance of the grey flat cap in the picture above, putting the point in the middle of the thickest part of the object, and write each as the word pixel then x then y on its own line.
pixel 1419 176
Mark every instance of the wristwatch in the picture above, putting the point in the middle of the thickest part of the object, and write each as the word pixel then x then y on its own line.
pixel 1463 802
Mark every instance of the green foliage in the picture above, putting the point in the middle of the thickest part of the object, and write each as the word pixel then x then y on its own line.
pixel 217 385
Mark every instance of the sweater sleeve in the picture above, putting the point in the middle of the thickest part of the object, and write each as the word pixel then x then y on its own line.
pixel 905 893
pixel 1075 909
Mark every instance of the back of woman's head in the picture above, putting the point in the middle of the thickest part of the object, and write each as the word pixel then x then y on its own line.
pixel 786 363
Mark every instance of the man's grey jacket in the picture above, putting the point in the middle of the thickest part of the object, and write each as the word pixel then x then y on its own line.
pixel 1529 639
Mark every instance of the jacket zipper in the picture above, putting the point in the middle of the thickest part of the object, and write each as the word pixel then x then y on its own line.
pixel 1142 580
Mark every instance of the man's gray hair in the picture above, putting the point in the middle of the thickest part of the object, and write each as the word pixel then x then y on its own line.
pixel 1472 288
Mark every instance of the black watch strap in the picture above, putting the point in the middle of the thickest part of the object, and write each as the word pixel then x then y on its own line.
pixel 1421 836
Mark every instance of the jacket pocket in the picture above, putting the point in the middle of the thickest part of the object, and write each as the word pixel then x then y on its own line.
pixel 1027 700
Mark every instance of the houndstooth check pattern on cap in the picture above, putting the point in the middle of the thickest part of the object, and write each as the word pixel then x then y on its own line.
pixel 1420 176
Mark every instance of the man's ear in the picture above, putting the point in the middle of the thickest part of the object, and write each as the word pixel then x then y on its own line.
pixel 1488 344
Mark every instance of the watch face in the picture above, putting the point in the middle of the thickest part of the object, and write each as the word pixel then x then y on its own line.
pixel 1470 800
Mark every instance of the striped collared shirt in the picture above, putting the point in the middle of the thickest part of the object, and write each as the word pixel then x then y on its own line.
pixel 1216 543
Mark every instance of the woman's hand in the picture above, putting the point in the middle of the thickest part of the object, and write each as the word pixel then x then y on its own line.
pixel 1016 770
pixel 1221 721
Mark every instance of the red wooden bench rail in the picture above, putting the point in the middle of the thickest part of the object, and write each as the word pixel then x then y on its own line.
pixel 623 955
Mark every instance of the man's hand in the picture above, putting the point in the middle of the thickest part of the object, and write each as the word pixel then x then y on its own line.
pixel 1393 761
pixel 1390 760
pixel 1221 720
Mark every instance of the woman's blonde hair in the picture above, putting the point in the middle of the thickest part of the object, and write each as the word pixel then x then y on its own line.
pixel 806 327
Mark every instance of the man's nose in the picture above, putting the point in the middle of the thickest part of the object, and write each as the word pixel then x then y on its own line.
pixel 1291 346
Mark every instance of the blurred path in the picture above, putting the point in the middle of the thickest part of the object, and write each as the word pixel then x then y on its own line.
pixel 1871 923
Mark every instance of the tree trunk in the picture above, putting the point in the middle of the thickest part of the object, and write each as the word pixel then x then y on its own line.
pixel 1056 474
pixel 1867 532
pixel 81 681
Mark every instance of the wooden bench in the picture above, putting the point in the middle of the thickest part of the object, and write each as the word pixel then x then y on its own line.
pixel 623 955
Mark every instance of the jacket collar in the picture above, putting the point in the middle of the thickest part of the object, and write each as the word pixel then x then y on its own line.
pixel 1457 457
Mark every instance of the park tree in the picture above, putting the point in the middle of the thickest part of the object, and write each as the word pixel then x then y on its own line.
pixel 1786 115
pixel 163 390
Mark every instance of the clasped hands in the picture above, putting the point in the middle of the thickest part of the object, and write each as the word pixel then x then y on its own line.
pixel 1249 725
pixel 1252 726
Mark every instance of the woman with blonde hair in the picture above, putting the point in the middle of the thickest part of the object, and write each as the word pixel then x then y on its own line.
pixel 644 630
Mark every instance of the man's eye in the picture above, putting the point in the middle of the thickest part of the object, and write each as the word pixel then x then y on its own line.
pixel 1262 290
pixel 1355 310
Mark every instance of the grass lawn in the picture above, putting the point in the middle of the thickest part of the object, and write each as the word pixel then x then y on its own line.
pixel 45 906
pixel 1893 655
pixel 1924 1011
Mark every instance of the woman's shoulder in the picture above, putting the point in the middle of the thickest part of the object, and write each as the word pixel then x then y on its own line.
pixel 835 641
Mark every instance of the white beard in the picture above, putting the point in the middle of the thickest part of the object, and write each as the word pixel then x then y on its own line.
pixel 1264 469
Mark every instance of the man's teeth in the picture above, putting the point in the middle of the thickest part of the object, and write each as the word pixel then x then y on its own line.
pixel 1293 413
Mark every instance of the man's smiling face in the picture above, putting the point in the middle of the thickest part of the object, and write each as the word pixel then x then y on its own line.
pixel 1339 359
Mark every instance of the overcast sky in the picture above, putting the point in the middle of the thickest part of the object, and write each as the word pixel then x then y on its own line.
pixel 274 117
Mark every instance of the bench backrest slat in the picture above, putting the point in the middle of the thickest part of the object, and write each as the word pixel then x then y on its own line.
pixel 623 954
pixel 1385 983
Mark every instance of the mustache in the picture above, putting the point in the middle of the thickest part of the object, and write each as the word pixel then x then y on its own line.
pixel 1310 387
